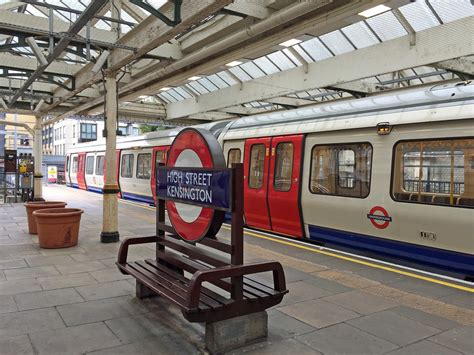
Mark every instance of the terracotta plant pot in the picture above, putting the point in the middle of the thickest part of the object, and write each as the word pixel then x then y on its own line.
pixel 39 205
pixel 58 227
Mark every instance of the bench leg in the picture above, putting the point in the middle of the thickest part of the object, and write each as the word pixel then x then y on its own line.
pixel 141 291
pixel 236 332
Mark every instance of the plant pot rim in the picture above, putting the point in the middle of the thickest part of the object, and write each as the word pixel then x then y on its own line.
pixel 39 203
pixel 58 212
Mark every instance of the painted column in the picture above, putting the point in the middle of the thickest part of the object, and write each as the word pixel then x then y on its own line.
pixel 110 232
pixel 38 155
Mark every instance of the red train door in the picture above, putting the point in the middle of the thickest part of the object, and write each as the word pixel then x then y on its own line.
pixel 117 170
pixel 256 166
pixel 81 178
pixel 159 156
pixel 284 185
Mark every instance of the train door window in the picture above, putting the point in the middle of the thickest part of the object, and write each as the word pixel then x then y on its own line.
pixel 126 169
pixel 67 163
pixel 74 165
pixel 160 157
pixel 99 166
pixel 438 172
pixel 233 157
pixel 283 166
pixel 346 168
pixel 144 166
pixel 90 165
pixel 257 166
pixel 341 169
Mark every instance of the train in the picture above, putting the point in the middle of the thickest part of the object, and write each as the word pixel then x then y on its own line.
pixel 389 176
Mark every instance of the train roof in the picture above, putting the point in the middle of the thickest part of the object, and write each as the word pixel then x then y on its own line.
pixel 442 102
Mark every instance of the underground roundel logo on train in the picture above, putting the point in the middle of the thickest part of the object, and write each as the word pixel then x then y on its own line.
pixel 379 217
pixel 197 150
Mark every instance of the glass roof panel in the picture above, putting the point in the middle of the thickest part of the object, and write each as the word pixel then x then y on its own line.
pixel 386 26
pixel 303 53
pixel 239 73
pixel 316 49
pixel 183 92
pixel 198 87
pixel 336 42
pixel 453 10
pixel 292 57
pixel 167 97
pixel 191 89
pixel 217 81
pixel 266 65
pixel 281 60
pixel 226 77
pixel 34 11
pixel 419 15
pixel 251 69
pixel 360 35
pixel 207 84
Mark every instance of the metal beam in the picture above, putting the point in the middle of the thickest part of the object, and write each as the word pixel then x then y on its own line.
pixel 81 21
pixel 340 69
pixel 463 67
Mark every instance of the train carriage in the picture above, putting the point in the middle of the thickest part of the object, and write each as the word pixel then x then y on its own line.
pixel 390 175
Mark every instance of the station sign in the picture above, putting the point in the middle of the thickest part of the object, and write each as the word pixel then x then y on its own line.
pixel 196 185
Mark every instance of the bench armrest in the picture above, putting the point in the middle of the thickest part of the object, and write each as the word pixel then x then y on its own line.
pixel 123 251
pixel 223 272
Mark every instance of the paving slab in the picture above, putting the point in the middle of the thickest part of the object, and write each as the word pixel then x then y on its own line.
pixel 345 339
pixel 19 286
pixel 300 291
pixel 329 285
pixel 361 302
pixel 77 267
pixel 7 304
pixel 284 347
pixel 460 339
pixel 318 313
pixel 105 290
pixel 30 272
pixel 13 264
pixel 74 340
pixel 42 299
pixel 424 347
pixel 107 275
pixel 64 281
pixel 393 328
pixel 19 323
pixel 41 260
pixel 425 318
pixel 282 326
pixel 100 310
pixel 19 345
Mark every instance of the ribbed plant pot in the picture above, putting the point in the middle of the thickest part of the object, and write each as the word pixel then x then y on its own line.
pixel 39 205
pixel 58 227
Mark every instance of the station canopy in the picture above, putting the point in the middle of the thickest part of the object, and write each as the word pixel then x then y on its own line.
pixel 184 62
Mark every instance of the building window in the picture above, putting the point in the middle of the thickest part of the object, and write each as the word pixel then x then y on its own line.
pixel 99 165
pixel 74 165
pixel 123 131
pixel 257 166
pixel 88 132
pixel 143 166
pixel 438 172
pixel 283 166
pixel 90 165
pixel 233 156
pixel 126 169
pixel 341 170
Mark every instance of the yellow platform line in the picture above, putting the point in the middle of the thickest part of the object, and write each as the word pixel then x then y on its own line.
pixel 339 256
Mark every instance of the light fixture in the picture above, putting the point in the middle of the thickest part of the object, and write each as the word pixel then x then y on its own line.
pixel 141 97
pixel 290 42
pixel 233 63
pixel 376 10
pixel 100 62
pixel 165 88
pixel 193 78
pixel 384 128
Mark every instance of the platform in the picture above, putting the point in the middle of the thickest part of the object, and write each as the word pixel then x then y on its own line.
pixel 74 300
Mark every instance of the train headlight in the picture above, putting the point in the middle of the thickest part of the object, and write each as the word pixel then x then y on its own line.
pixel 383 128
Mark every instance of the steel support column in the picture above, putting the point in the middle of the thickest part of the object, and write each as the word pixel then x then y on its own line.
pixel 38 155
pixel 110 232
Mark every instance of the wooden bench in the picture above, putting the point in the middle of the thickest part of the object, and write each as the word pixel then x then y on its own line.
pixel 207 280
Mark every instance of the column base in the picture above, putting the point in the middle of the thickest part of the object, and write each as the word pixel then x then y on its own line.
pixel 37 199
pixel 236 332
pixel 109 237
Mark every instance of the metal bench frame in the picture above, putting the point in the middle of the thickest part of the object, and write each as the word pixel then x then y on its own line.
pixel 176 259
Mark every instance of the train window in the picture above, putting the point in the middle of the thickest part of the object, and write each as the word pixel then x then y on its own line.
pixel 160 157
pixel 126 169
pixel 435 172
pixel 341 169
pixel 283 166
pixel 89 165
pixel 257 166
pixel 233 157
pixel 99 165
pixel 74 165
pixel 144 166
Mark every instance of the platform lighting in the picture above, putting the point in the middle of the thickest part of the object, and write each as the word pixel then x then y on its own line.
pixel 376 10
pixel 165 88
pixel 384 128
pixel 194 78
pixel 290 42
pixel 233 63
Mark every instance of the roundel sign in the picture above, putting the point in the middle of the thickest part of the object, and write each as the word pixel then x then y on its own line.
pixel 379 217
pixel 191 181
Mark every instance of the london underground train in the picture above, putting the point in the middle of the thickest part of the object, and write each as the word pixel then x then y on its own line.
pixel 390 176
